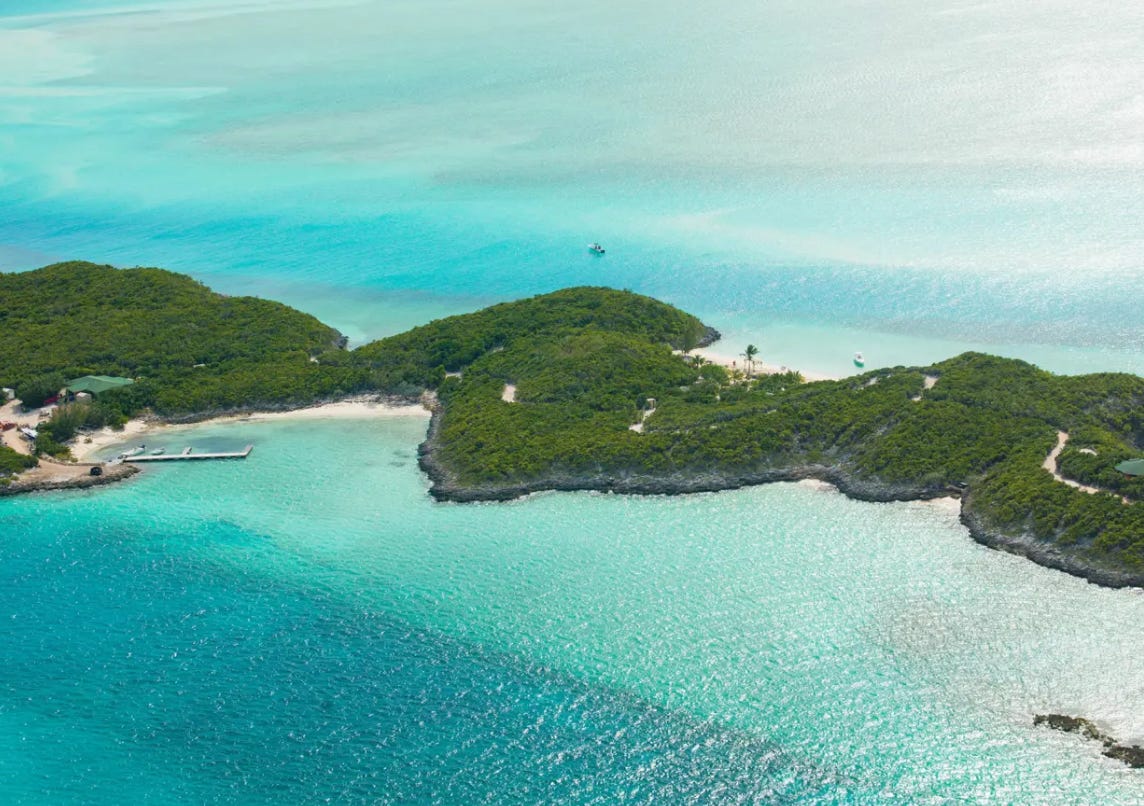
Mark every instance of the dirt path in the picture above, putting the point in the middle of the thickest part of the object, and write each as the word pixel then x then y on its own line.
pixel 638 427
pixel 1050 464
pixel 49 471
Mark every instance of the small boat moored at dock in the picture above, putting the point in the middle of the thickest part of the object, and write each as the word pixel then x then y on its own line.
pixel 189 455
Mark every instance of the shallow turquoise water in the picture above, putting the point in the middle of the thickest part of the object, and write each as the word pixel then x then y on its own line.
pixel 907 179
pixel 308 624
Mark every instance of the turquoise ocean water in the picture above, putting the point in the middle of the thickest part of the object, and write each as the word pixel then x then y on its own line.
pixel 907 179
pixel 308 625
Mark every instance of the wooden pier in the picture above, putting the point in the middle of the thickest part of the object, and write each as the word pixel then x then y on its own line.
pixel 187 455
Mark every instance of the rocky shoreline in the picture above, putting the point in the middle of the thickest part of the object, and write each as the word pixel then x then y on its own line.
pixel 22 484
pixel 446 488
pixel 709 337
pixel 1045 554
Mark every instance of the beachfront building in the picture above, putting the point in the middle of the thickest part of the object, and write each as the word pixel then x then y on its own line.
pixel 96 385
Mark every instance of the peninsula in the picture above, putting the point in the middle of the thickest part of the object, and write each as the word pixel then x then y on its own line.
pixel 597 389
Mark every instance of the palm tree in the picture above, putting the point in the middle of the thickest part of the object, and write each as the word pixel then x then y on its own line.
pixel 750 354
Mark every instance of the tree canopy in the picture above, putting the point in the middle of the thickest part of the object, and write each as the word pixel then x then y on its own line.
pixel 188 348
pixel 584 363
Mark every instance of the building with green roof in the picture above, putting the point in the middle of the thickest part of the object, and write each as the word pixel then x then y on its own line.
pixel 1133 467
pixel 97 384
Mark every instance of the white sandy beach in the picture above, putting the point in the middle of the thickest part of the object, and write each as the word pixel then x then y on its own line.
pixel 946 503
pixel 761 367
pixel 91 445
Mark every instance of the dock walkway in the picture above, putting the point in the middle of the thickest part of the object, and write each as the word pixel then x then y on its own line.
pixel 188 455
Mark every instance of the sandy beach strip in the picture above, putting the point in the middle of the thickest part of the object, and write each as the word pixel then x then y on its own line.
pixel 89 445
pixel 761 368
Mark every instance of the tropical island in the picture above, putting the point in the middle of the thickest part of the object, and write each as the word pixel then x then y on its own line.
pixel 599 389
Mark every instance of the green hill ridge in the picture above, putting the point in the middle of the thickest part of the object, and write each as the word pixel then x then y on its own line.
pixel 585 365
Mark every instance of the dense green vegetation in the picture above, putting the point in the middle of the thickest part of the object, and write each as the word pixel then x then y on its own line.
pixel 587 364
pixel 420 358
pixel 189 349
pixel 12 463
pixel 985 427
pixel 69 418
pixel 192 351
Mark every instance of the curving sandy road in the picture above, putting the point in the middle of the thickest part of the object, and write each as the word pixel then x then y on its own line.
pixel 1050 464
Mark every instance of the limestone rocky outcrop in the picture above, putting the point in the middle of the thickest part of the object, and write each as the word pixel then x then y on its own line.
pixel 1132 755
pixel 447 487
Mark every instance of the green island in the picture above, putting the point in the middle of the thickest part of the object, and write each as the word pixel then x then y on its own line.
pixel 595 389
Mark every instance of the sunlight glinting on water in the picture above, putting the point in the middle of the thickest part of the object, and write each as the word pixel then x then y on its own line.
pixel 868 169
pixel 908 179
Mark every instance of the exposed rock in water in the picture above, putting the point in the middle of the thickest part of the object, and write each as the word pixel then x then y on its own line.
pixel 1132 755
pixel 1070 724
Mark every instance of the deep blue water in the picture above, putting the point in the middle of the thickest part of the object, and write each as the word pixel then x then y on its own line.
pixel 141 674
